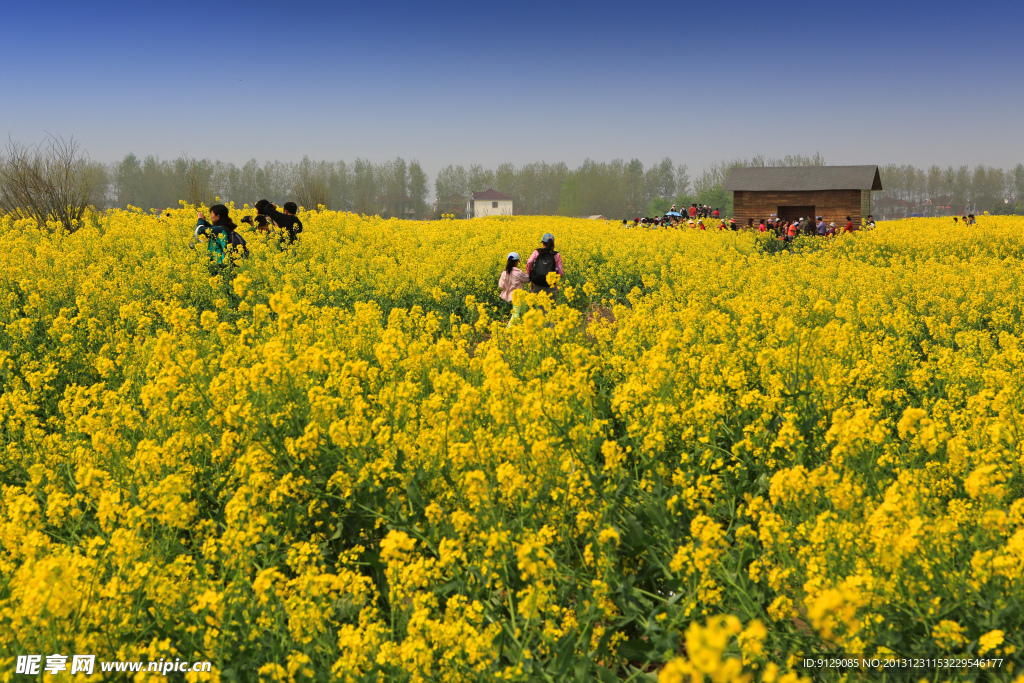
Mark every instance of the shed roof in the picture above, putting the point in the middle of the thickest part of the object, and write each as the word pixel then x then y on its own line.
pixel 490 193
pixel 803 178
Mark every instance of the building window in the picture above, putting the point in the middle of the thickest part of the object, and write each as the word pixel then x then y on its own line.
pixel 494 205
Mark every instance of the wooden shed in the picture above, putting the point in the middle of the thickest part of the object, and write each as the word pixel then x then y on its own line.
pixel 789 192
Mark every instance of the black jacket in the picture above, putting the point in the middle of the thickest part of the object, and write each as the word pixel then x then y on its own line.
pixel 290 223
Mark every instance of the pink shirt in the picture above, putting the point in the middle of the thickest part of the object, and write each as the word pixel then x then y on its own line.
pixel 536 253
pixel 509 282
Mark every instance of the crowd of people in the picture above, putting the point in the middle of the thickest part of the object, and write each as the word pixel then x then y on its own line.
pixel 788 230
pixel 783 229
pixel 698 211
pixel 222 235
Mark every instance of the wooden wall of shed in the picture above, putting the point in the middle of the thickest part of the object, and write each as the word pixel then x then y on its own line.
pixel 865 203
pixel 833 205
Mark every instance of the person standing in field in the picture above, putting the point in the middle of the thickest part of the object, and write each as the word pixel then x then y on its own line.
pixel 220 233
pixel 821 228
pixel 849 225
pixel 543 262
pixel 512 278
pixel 287 220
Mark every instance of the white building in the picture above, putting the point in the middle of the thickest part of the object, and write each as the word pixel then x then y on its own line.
pixel 489 203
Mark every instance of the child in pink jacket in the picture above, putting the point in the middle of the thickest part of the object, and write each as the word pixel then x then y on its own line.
pixel 512 278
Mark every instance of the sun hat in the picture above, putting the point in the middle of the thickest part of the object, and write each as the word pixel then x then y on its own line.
pixel 548 237
pixel 513 256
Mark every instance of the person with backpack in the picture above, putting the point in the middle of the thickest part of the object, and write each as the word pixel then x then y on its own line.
pixel 286 220
pixel 220 233
pixel 541 263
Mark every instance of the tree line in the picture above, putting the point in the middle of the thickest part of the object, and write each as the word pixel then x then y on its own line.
pixel 615 189
pixel 55 180
pixel 935 191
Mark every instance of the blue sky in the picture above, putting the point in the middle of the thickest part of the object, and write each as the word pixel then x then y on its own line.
pixel 458 82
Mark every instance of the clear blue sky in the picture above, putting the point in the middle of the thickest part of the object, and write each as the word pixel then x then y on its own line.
pixel 457 82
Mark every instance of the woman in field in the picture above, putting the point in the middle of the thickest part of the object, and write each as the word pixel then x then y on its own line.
pixel 220 230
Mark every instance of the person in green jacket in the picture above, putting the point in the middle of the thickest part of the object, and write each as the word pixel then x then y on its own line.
pixel 220 233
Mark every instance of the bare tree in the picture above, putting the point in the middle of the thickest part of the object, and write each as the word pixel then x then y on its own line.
pixel 194 175
pixel 312 185
pixel 49 181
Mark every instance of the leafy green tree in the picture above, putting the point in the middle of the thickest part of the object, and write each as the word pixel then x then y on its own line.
pixel 569 201
pixel 127 180
pixel 658 206
pixel 418 182
pixel 366 187
pixel 396 186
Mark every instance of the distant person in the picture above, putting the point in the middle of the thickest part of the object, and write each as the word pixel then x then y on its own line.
pixel 821 228
pixel 220 233
pixel 286 220
pixel 955 220
pixel 792 231
pixel 541 263
pixel 761 227
pixel 692 211
pixel 871 221
pixel 831 230
pixel 849 225
pixel 716 213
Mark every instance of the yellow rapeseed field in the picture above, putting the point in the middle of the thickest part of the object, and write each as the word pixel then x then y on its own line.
pixel 710 461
